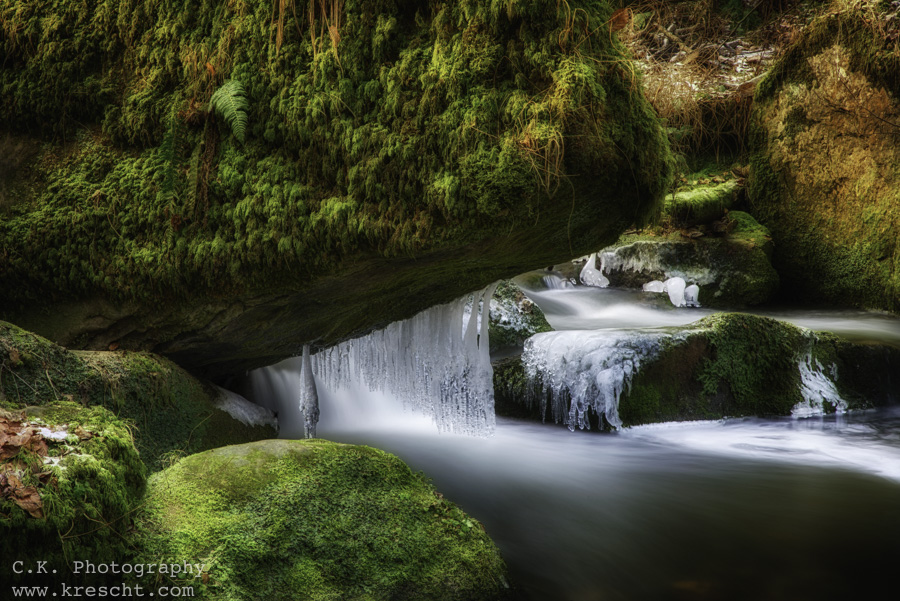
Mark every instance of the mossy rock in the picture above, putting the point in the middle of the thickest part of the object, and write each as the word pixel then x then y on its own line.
pixel 824 160
pixel 168 410
pixel 732 270
pixel 728 365
pixel 415 153
pixel 514 318
pixel 316 520
pixel 89 483
pixel 701 204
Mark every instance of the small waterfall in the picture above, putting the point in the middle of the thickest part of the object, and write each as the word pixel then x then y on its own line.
pixel 817 389
pixel 587 369
pixel 436 363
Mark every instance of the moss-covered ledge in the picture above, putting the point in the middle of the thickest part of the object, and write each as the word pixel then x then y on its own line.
pixel 424 150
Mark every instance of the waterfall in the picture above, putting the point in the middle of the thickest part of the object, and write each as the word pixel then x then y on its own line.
pixel 436 362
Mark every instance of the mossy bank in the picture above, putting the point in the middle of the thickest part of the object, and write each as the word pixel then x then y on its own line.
pixel 168 410
pixel 316 520
pixel 409 154
pixel 824 159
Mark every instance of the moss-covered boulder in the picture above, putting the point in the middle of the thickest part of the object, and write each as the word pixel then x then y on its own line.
pixel 316 520
pixel 360 163
pixel 168 410
pixel 514 319
pixel 725 365
pixel 702 204
pixel 70 481
pixel 824 166
pixel 731 267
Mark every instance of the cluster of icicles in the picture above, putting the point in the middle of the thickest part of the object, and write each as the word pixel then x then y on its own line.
pixel 436 362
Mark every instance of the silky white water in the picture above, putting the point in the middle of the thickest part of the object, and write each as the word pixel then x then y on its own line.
pixel 742 509
pixel 436 363
pixel 775 509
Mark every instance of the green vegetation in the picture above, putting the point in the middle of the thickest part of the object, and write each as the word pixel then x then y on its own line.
pixel 829 196
pixel 316 520
pixel 727 365
pixel 89 486
pixel 418 126
pixel 168 410
pixel 701 204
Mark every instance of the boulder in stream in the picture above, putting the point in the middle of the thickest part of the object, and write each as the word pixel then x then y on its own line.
pixel 311 519
pixel 724 365
pixel 732 270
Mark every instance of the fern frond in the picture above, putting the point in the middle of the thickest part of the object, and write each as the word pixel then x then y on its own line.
pixel 230 101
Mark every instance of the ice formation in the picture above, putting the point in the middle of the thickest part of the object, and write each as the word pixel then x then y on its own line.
pixel 591 276
pixel 817 389
pixel 675 287
pixel 249 414
pixel 309 396
pixel 436 362
pixel 654 286
pixel 653 257
pixel 578 369
pixel 692 296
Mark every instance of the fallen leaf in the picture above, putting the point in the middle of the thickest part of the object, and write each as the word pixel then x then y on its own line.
pixel 29 499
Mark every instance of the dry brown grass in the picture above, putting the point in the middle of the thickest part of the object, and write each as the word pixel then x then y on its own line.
pixel 698 73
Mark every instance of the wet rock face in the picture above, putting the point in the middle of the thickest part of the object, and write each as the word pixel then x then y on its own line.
pixel 514 319
pixel 824 175
pixel 725 365
pixel 731 271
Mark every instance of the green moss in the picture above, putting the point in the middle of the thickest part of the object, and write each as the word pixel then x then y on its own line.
pixel 835 240
pixel 426 123
pixel 732 267
pixel 94 485
pixel 514 318
pixel 316 520
pixel 169 410
pixel 702 204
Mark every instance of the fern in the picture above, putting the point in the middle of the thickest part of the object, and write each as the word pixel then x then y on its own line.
pixel 230 102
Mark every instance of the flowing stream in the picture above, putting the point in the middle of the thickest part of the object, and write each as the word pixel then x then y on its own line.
pixel 755 509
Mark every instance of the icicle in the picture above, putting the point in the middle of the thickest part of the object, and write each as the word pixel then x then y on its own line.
pixel 692 296
pixel 675 288
pixel 437 362
pixel 654 286
pixel 591 276
pixel 590 369
pixel 309 397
